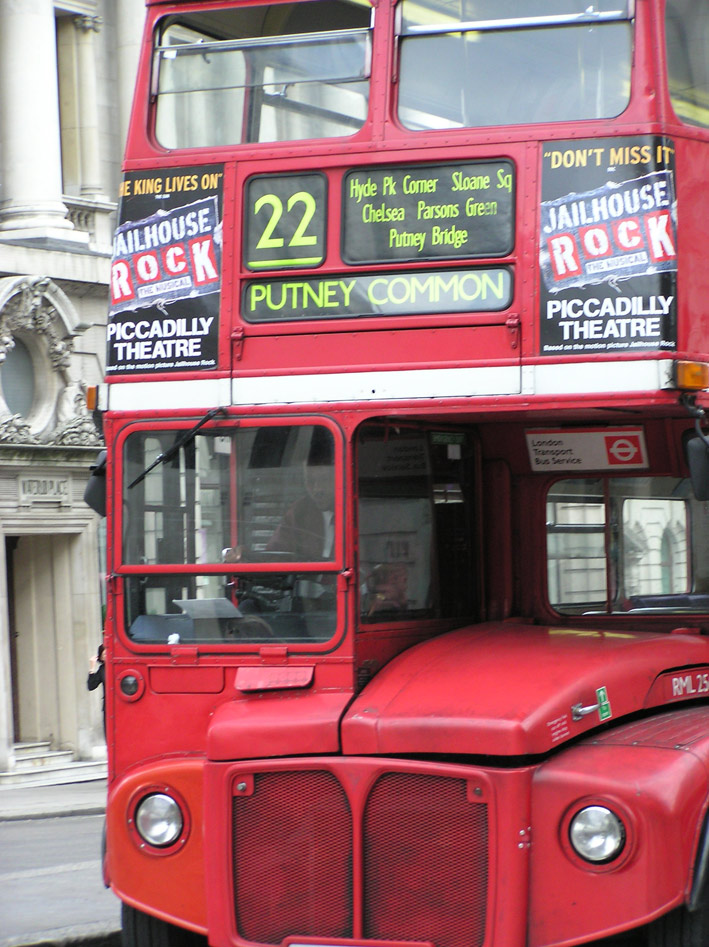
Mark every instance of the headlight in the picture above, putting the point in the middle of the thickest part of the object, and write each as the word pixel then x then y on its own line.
pixel 597 834
pixel 158 819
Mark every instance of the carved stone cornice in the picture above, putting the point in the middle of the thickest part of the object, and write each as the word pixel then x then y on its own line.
pixel 15 430
pixel 36 307
pixel 30 308
pixel 87 23
pixel 78 432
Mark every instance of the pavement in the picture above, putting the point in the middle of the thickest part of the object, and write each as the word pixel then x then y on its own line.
pixel 45 802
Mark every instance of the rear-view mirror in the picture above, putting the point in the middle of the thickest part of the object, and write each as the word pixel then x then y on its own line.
pixel 95 492
pixel 696 450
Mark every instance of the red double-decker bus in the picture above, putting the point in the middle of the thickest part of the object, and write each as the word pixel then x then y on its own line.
pixel 406 476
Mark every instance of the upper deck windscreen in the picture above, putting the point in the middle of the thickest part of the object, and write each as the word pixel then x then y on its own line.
pixel 686 37
pixel 280 72
pixel 470 63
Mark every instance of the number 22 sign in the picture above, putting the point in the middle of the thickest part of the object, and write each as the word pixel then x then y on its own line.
pixel 284 221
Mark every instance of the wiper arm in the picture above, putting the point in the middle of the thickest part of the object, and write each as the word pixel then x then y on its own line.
pixel 180 442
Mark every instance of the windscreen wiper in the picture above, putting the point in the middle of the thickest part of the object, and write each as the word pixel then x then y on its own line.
pixel 180 442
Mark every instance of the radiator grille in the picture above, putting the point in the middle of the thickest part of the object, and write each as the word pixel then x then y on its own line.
pixel 293 858
pixel 421 852
pixel 425 848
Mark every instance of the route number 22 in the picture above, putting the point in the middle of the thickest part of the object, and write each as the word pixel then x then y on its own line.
pixel 285 223
pixel 300 238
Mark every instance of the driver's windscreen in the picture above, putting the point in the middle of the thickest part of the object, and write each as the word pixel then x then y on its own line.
pixel 256 501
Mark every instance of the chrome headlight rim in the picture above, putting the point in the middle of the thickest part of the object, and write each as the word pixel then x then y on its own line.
pixel 598 834
pixel 160 843
pixel 159 820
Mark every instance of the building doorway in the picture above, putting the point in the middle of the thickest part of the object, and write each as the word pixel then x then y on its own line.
pixel 45 613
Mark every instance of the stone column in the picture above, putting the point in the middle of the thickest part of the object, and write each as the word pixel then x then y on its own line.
pixel 130 18
pixel 30 159
pixel 86 26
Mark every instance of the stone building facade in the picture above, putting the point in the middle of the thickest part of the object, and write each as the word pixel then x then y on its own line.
pixel 66 77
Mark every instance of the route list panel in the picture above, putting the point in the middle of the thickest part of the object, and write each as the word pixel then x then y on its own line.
pixel 414 213
pixel 428 212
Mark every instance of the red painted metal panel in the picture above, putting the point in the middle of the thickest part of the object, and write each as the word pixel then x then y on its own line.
pixel 187 680
pixel 692 159
pixel 273 678
pixel 171 887
pixel 508 689
pixel 384 349
pixel 653 773
pixel 277 725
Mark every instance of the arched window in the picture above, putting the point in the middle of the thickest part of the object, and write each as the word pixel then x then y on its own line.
pixel 17 379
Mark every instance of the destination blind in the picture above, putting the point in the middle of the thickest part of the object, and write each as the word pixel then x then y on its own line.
pixel 433 212
pixel 352 295
pixel 428 212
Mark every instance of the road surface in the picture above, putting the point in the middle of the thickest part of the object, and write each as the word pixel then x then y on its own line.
pixel 51 888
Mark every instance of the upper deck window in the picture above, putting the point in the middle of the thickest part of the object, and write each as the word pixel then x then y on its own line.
pixel 686 36
pixel 470 63
pixel 262 73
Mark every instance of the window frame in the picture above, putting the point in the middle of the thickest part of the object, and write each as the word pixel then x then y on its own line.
pixel 227 427
pixel 461 28
pixel 620 599
pixel 254 95
pixel 125 573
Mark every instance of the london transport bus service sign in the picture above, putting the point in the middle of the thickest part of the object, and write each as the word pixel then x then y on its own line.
pixel 601 449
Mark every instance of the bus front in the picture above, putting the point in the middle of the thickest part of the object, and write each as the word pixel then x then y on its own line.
pixel 406 476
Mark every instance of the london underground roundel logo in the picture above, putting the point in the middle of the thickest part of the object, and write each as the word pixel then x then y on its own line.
pixel 623 449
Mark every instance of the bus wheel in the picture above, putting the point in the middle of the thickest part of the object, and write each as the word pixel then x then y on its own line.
pixel 681 928
pixel 144 930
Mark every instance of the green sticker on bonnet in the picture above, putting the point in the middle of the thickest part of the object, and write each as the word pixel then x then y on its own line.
pixel 604 705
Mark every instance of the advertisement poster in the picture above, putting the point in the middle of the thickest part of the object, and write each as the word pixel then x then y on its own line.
pixel 166 272
pixel 608 246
